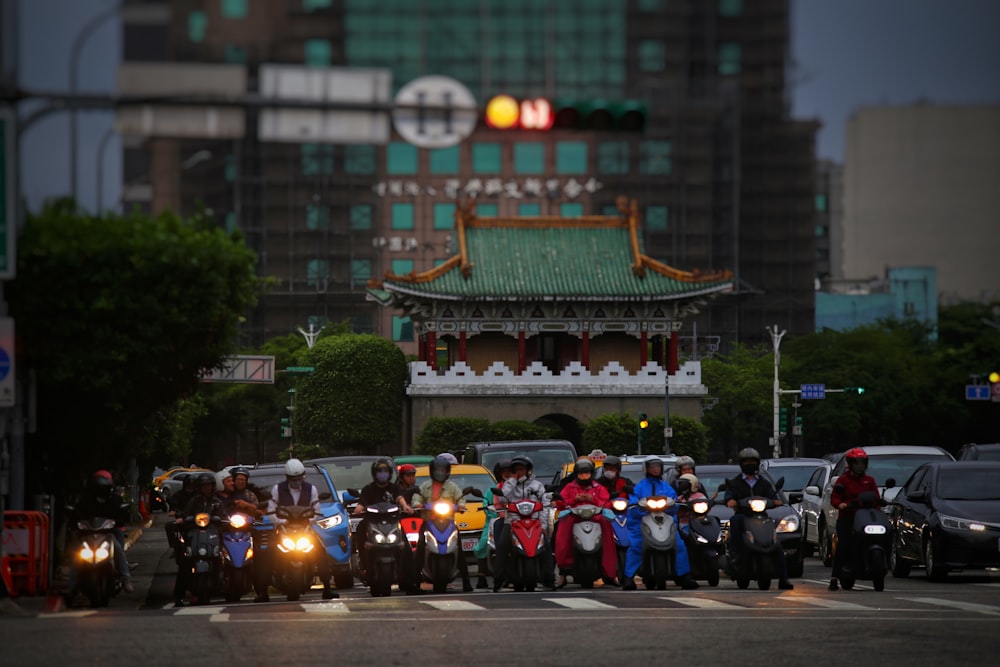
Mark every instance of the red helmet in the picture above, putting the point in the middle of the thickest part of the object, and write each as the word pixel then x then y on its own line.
pixel 856 454
pixel 407 468
pixel 103 474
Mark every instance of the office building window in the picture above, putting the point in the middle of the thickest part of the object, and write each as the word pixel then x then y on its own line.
pixel 400 158
pixel 317 272
pixel 359 159
pixel 529 158
pixel 230 222
pixel 234 9
pixel 317 159
pixel 317 217
pixel 402 267
pixel 650 5
pixel 444 216
pixel 821 202
pixel 572 209
pixel 236 55
pixel 612 157
pixel 821 230
pixel 571 157
pixel 652 55
pixel 361 217
pixel 486 210
pixel 610 209
pixel 730 7
pixel 313 5
pixel 361 272
pixel 402 216
pixel 486 158
pixel 197 26
pixel 730 58
pixel 230 168
pixel 444 160
pixel 656 218
pixel 654 157
pixel 402 329
pixel 318 53
pixel 529 209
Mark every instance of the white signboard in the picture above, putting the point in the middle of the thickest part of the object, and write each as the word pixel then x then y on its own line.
pixel 434 112
pixel 527 188
pixel 244 368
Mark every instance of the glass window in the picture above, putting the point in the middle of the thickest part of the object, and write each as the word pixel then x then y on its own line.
pixel 361 272
pixel 402 216
pixel 529 158
pixel 821 230
pixel 529 209
pixel 444 160
pixel 730 58
pixel 318 53
pixel 652 55
pixel 402 267
pixel 230 222
pixel 571 209
pixel 486 158
pixel 656 218
pixel 486 210
pixel 361 216
pixel 821 202
pixel 402 329
pixel 236 55
pixel 234 9
pixel 612 157
pixel 317 217
pixel 317 272
pixel 317 159
pixel 444 216
pixel 571 157
pixel 730 7
pixel 230 168
pixel 197 25
pixel 359 159
pixel 654 157
pixel 400 158
pixel 650 5
pixel 313 5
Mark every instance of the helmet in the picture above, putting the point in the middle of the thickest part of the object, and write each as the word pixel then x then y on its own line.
pixel 205 478
pixel 448 456
pixel 187 480
pixel 440 468
pixel 502 464
pixel 748 453
pixel 683 461
pixel 220 480
pixel 652 460
pixel 239 470
pixel 103 475
pixel 613 462
pixel 857 460
pixel 381 465
pixel 692 480
pixel 522 460
pixel 583 466
pixel 294 468
pixel 407 469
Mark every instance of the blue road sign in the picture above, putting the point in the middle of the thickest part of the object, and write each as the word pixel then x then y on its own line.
pixel 977 392
pixel 812 391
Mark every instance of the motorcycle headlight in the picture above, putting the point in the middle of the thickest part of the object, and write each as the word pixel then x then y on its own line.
pixel 379 538
pixel 619 504
pixel 702 540
pixel 326 523
pixel 86 553
pixel 237 521
pixel 288 543
pixel 875 529
pixel 393 538
pixel 442 509
pixel 102 552
pixel 525 508
pixel 758 504
pixel 656 503
pixel 201 520
pixel 304 544
pixel 700 507
pixel 788 524
pixel 956 523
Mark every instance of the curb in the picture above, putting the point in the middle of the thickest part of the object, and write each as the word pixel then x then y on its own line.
pixel 134 535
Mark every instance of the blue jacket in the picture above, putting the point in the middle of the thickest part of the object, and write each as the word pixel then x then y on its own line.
pixel 649 486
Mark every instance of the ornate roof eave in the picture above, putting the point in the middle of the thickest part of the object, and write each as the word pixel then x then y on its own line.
pixel 400 289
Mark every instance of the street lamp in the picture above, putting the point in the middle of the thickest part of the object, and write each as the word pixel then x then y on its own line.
pixel 776 342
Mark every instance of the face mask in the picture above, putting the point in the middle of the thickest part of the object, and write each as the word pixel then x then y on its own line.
pixel 295 484
pixel 610 474
pixel 439 475
pixel 382 476
pixel 584 478
pixel 859 468
pixel 749 468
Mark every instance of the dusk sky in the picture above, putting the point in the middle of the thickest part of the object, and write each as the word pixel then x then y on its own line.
pixel 848 53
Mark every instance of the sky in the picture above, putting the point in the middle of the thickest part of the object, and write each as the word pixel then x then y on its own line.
pixel 847 54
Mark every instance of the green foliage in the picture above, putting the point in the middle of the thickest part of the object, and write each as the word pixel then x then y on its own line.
pixel 447 433
pixel 304 452
pixel 743 381
pixel 514 429
pixel 612 433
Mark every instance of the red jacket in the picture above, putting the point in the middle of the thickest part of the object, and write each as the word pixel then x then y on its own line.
pixel 616 488
pixel 573 489
pixel 853 486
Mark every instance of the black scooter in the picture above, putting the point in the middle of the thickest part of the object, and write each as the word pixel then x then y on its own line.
pixel 760 545
pixel 703 538
pixel 384 543
pixel 871 542
pixel 201 552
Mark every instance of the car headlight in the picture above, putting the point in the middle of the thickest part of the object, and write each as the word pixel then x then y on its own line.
pixel 788 524
pixel 326 523
pixel 956 523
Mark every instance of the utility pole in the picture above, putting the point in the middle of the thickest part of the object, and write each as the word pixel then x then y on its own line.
pixel 775 436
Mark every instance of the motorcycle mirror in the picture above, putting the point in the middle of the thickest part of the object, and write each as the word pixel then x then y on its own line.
pixel 326 495
pixel 780 484
pixel 472 491
pixel 722 487
pixel 891 482
pixel 629 487
pixel 409 493
pixel 352 494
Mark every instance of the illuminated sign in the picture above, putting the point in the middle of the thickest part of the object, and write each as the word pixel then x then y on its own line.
pixel 503 112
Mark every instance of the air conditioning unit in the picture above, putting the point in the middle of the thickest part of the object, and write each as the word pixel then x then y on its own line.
pixel 396 243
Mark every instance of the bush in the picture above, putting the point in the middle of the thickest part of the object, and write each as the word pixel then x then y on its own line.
pixel 614 434
pixel 618 434
pixel 518 430
pixel 447 433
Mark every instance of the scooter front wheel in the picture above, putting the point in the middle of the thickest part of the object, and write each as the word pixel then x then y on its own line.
pixel 876 567
pixel 712 575
pixel 441 574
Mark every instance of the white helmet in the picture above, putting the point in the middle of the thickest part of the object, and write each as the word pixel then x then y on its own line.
pixel 220 478
pixel 294 468
pixel 450 457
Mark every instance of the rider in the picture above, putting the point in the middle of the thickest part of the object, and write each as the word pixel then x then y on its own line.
pixel 851 483
pixel 750 483
pixel 521 485
pixel 688 490
pixel 653 485
pixel 682 466
pixel 439 487
pixel 241 499
pixel 406 476
pixel 383 490
pixel 100 500
pixel 612 480
pixel 492 504
pixel 584 491
pixel 204 502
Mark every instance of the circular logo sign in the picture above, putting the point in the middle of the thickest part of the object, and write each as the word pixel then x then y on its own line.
pixel 434 112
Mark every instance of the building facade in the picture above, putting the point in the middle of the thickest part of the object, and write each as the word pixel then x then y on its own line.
pixel 723 177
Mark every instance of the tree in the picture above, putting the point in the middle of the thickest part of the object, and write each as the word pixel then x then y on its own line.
pixel 743 381
pixel 442 434
pixel 119 316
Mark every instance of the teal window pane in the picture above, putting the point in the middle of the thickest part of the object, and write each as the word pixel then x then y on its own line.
pixel 361 272
pixel 236 55
pixel 401 158
pixel 317 217
pixel 197 26
pixel 730 7
pixel 361 216
pixel 652 55
pixel 402 267
pixel 821 230
pixel 529 158
pixel 612 157
pixel 230 169
pixel 529 209
pixel 486 158
pixel 444 160
pixel 230 222
pixel 313 5
pixel 359 159
pixel 444 216
pixel 610 209
pixel 234 9
pixel 439 262
pixel 821 202
pixel 571 209
pixel 654 157
pixel 486 210
pixel 571 157
pixel 730 58
pixel 317 159
pixel 317 272
pixel 318 53
pixel 402 329
pixel 650 5
pixel 402 216
pixel 656 218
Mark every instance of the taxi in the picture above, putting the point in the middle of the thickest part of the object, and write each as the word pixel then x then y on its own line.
pixel 174 471
pixel 471 522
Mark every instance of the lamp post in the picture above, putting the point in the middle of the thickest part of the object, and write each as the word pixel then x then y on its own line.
pixel 776 342
pixel 105 138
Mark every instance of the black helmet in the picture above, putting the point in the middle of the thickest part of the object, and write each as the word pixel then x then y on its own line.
pixel 382 465
pixel 187 480
pixel 239 470
pixel 613 462
pixel 583 466
pixel 205 478
pixel 748 453
pixel 652 460
pixel 440 469
pixel 522 460
pixel 502 464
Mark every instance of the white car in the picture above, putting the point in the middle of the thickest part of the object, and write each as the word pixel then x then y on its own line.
pixel 812 504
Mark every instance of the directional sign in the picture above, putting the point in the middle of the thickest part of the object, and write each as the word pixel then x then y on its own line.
pixel 244 369
pixel 434 112
pixel 812 391
pixel 977 392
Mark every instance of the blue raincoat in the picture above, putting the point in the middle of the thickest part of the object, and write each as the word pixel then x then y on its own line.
pixel 482 548
pixel 651 486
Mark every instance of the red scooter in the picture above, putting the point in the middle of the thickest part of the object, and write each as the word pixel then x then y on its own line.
pixel 529 541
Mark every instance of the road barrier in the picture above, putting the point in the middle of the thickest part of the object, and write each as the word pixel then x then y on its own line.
pixel 26 552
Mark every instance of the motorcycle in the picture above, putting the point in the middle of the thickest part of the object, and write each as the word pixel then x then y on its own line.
pixel 587 544
pixel 237 557
pixel 95 556
pixel 760 545
pixel 296 550
pixel 871 540
pixel 441 545
pixel 201 553
pixel 704 540
pixel 384 540
pixel 529 541
pixel 659 541
pixel 619 526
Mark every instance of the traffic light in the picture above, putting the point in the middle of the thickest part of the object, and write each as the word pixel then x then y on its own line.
pixel 853 390
pixel 643 429
pixel 798 426
pixel 286 427
pixel 782 420
pixel 599 115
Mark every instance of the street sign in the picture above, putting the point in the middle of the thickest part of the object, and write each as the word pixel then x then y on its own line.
pixel 8 194
pixel 7 386
pixel 435 112
pixel 977 392
pixel 812 391
pixel 244 368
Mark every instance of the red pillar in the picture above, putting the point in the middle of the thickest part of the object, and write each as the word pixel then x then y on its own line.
pixel 585 350
pixel 432 350
pixel 521 365
pixel 643 349
pixel 672 353
pixel 461 346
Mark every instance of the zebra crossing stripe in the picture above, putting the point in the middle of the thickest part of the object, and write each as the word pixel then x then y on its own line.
pixel 821 602
pixel 579 603
pixel 703 603
pixel 219 618
pixel 453 605
pixel 956 604
pixel 198 611
pixel 69 614
pixel 325 608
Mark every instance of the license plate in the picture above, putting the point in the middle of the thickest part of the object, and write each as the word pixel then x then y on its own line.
pixel 469 543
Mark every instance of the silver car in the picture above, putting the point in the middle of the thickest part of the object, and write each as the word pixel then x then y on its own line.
pixel 812 506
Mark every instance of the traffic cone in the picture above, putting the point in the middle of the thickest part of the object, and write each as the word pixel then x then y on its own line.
pixel 54 603
pixel 143 512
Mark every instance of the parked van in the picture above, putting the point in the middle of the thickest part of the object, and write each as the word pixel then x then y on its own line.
pixel 547 455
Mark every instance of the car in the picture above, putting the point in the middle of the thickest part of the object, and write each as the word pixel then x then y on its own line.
pixel 975 452
pixel 713 477
pixel 413 459
pixel 174 481
pixel 471 522
pixel 349 472
pixel 332 527
pixel 546 455
pixel 947 517
pixel 811 506
pixel 885 462
pixel 796 472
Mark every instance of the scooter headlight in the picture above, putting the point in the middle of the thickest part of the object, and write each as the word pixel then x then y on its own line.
pixel 789 524
pixel 102 552
pixel 619 504
pixel 656 503
pixel 86 553
pixel 237 521
pixel 379 538
pixel 288 543
pixel 331 521
pixel 875 529
pixel 442 509
pixel 700 507
pixel 392 538
pixel 758 504
pixel 201 520
pixel 304 544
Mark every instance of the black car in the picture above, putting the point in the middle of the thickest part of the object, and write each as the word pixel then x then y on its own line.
pixel 947 517
pixel 975 452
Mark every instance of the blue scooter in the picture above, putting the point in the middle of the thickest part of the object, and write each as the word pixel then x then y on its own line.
pixel 619 524
pixel 237 556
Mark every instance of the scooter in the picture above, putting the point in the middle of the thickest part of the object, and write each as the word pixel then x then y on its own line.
pixel 529 541
pixel 202 553
pixel 760 545
pixel 659 541
pixel 705 546
pixel 619 526
pixel 871 541
pixel 384 542
pixel 237 557
pixel 587 544
pixel 296 549
pixel 441 545
pixel 95 560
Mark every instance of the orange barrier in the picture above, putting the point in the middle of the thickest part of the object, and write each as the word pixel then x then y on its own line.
pixel 26 551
